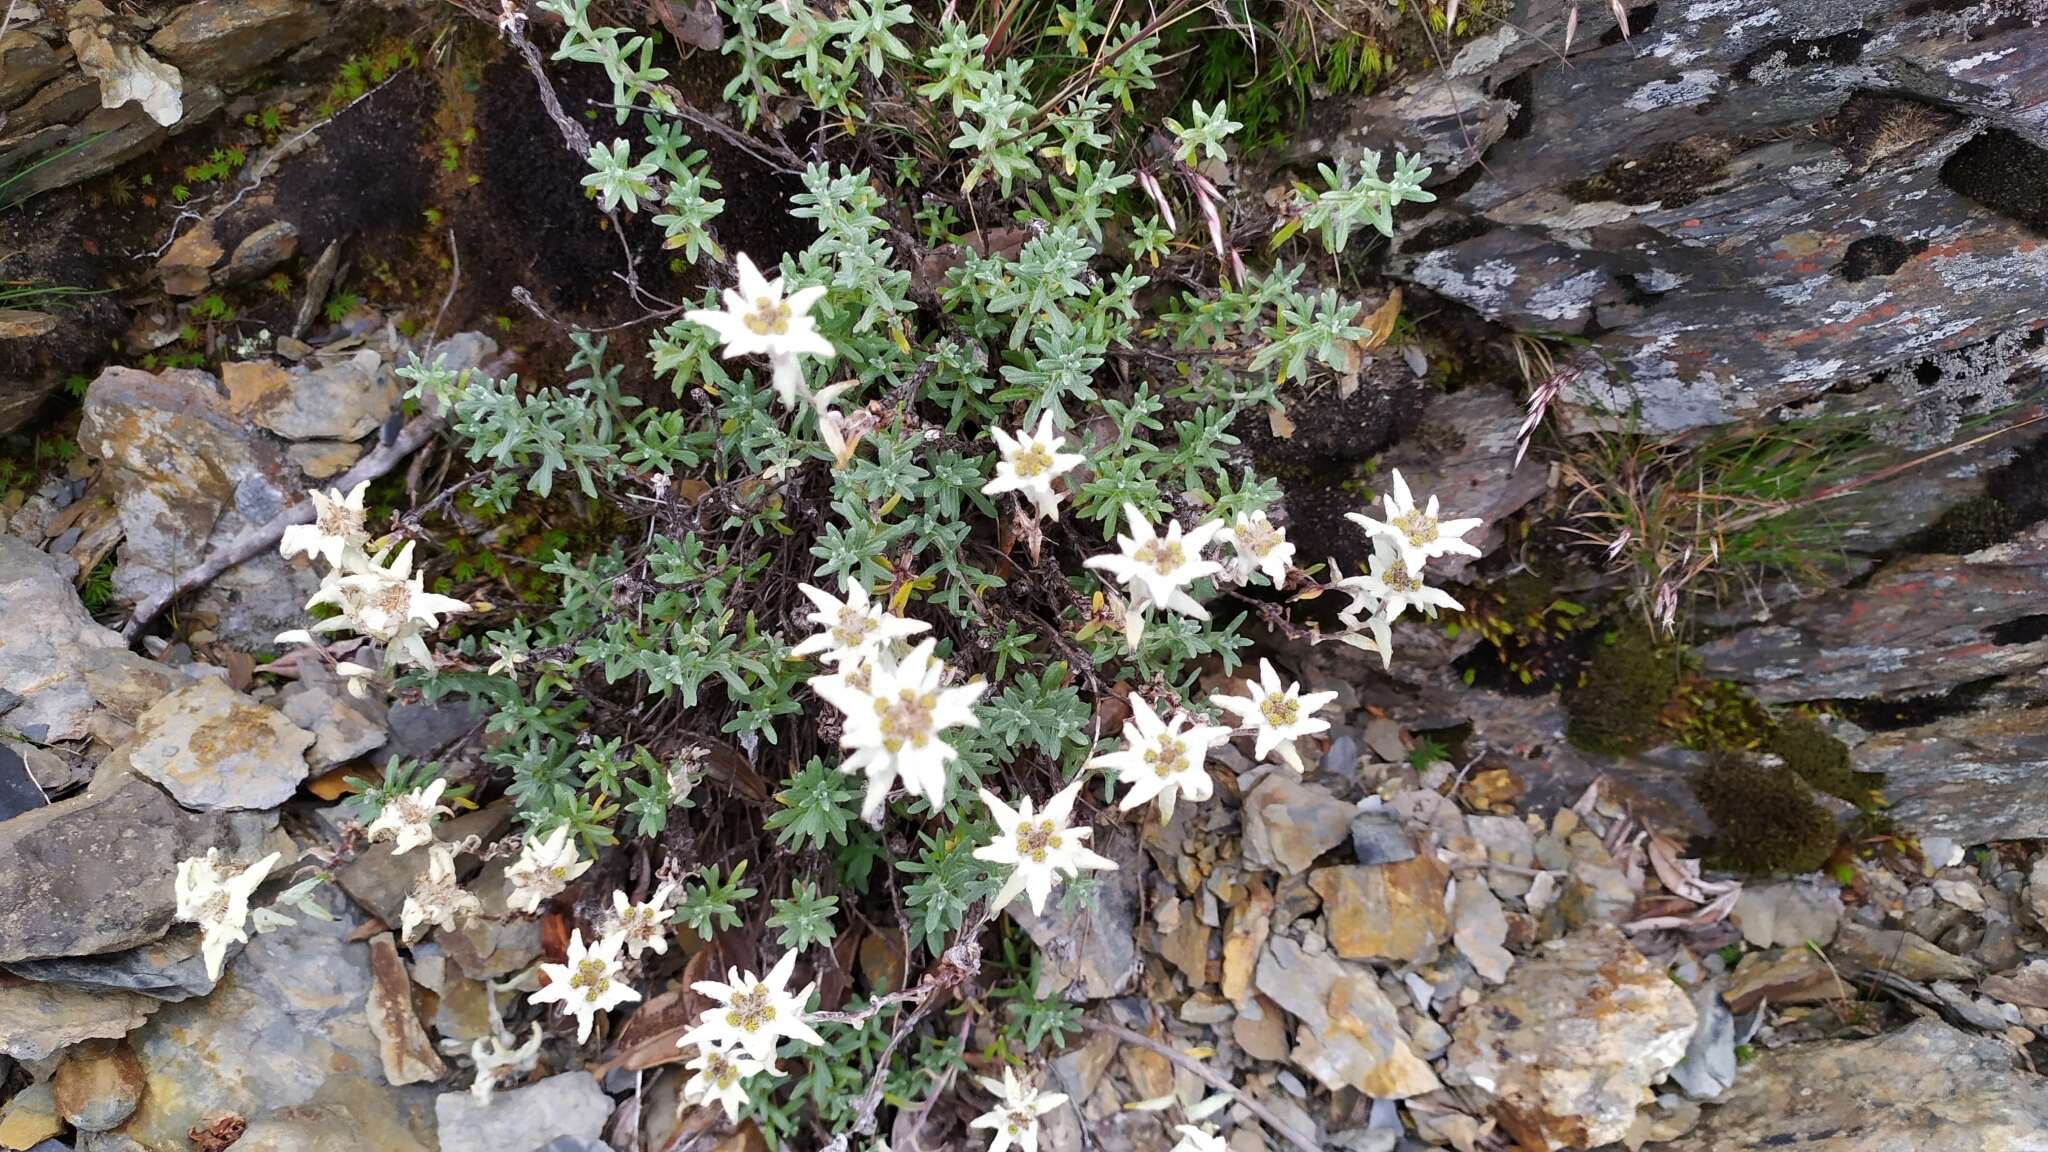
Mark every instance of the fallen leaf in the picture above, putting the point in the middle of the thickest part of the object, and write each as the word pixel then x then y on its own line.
pixel 1379 326
pixel 1276 419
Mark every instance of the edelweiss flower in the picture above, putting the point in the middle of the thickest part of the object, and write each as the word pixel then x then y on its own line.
pixel 1014 1119
pixel 497 1061
pixel 895 711
pixel 1030 464
pixel 438 899
pixel 407 819
pixel 384 599
pixel 642 926
pixel 758 319
pixel 1416 532
pixel 1396 586
pixel 588 984
pixel 720 1079
pixel 854 628
pixel 1260 546
pixel 357 678
pixel 1362 616
pixel 1193 1139
pixel 1155 569
pixel 1162 758
pixel 543 869
pixel 336 530
pixel 1041 847
pixel 217 899
pixel 753 1012
pixel 1279 715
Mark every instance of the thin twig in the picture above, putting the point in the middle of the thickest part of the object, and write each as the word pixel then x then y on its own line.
pixel 1208 1075
pixel 380 461
pixel 454 282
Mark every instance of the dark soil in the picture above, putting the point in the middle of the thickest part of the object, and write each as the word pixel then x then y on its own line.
pixel 1319 465
pixel 1670 174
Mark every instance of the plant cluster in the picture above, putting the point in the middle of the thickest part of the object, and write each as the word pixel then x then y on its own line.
pixel 973 486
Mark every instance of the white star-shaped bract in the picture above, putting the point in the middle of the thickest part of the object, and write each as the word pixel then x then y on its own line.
pixel 759 320
pixel 1014 1119
pixel 1030 463
pixel 384 599
pixel 1157 569
pixel 438 899
pixel 1258 545
pixel 543 869
pixel 1040 847
pixel 588 983
pixel 217 899
pixel 1278 714
pixel 895 711
pixel 1395 586
pixel 1415 532
pixel 336 531
pixel 852 629
pixel 720 1078
pixel 645 925
pixel 1162 758
pixel 407 819
pixel 754 1013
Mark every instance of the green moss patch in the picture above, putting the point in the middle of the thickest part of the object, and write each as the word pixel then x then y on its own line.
pixel 1766 819
pixel 1614 706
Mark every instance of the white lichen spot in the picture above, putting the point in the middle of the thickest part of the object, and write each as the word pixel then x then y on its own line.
pixel 1690 88
pixel 1569 299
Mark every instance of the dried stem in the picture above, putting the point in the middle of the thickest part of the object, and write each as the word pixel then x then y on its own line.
pixel 1208 1075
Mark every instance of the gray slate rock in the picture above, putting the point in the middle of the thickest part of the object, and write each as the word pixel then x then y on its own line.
pixel 1926 1088
pixel 39 1020
pixel 170 969
pixel 262 250
pixel 284 1043
pixel 215 748
pixel 1973 778
pixel 94 873
pixel 343 400
pixel 1091 952
pixel 1920 626
pixel 527 1119
pixel 341 732
pixel 45 635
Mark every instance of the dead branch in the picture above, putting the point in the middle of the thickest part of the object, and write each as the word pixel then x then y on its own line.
pixel 1208 1075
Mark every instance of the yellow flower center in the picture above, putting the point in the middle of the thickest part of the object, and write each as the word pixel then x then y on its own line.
pixel 592 977
pixel 1396 578
pixel 751 1010
pixel 394 599
pixel 1018 1121
pixel 1032 461
pixel 1280 709
pixel 340 520
pixel 215 909
pixel 1036 838
pixel 1160 554
pixel 1258 537
pixel 853 627
pixel 770 317
pixel 720 1071
pixel 1417 525
pixel 906 720
pixel 1166 757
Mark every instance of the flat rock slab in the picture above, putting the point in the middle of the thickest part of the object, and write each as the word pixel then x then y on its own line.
pixel 1091 951
pixel 1925 1088
pixel 45 635
pixel 1731 205
pixel 285 1043
pixel 1569 1047
pixel 215 748
pixel 169 969
pixel 1920 626
pixel 39 1020
pixel 525 1119
pixel 1974 778
pixel 94 873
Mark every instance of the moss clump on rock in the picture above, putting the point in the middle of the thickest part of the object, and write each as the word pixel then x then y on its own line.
pixel 1614 706
pixel 1766 819
pixel 1818 758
